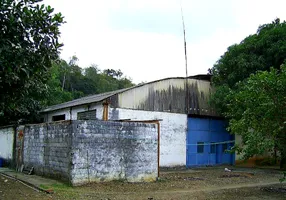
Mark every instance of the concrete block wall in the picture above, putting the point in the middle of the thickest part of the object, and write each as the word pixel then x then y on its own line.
pixel 47 148
pixel 80 152
pixel 104 151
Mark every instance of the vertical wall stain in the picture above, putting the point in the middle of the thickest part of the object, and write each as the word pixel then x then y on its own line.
pixel 172 95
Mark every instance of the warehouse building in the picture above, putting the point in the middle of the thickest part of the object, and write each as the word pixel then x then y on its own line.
pixel 191 133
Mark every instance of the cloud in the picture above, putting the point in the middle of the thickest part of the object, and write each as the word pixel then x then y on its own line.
pixel 144 38
pixel 145 56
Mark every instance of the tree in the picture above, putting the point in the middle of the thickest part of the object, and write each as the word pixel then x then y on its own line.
pixel 257 113
pixel 116 80
pixel 113 73
pixel 265 49
pixel 29 34
pixel 56 93
pixel 69 81
pixel 257 52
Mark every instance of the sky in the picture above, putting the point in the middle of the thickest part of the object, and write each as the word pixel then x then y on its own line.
pixel 144 38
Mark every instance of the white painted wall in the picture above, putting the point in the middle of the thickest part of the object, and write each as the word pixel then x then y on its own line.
pixel 6 143
pixel 49 116
pixel 172 137
pixel 71 113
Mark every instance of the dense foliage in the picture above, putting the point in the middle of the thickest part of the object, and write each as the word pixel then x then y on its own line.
pixel 69 81
pixel 250 91
pixel 29 33
pixel 257 112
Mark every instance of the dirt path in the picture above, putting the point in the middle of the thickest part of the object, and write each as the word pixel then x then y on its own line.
pixel 246 191
pixel 13 189
pixel 212 184
pixel 242 191
pixel 155 192
pixel 213 189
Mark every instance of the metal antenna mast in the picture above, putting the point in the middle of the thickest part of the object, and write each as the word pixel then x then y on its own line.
pixel 185 43
pixel 187 109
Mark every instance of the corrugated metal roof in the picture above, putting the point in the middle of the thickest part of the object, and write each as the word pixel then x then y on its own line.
pixel 84 100
pixel 102 96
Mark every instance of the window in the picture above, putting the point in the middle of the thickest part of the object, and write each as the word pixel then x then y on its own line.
pixel 59 117
pixel 224 148
pixel 87 115
pixel 42 120
pixel 213 145
pixel 200 147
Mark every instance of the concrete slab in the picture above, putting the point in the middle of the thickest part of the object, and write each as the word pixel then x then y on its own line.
pixel 38 182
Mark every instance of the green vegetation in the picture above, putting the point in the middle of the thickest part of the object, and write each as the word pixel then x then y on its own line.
pixel 69 81
pixel 61 186
pixel 250 79
pixel 28 44
pixel 283 179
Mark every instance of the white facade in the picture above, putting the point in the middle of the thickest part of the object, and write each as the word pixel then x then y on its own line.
pixel 71 113
pixel 173 130
pixel 6 143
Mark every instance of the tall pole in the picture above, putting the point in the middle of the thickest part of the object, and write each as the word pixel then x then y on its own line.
pixel 185 43
pixel 186 64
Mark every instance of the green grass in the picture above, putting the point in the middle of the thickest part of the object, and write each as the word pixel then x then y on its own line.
pixel 56 187
pixel 62 191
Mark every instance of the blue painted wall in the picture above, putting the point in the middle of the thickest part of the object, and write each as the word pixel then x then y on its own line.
pixel 208 131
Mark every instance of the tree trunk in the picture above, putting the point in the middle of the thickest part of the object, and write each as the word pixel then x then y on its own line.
pixel 64 81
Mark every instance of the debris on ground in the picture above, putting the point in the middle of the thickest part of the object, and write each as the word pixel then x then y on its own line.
pixel 193 179
pixel 234 175
pixel 274 189
pixel 231 176
pixel 227 170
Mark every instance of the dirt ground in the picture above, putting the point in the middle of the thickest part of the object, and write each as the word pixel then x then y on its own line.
pixel 201 183
pixel 11 189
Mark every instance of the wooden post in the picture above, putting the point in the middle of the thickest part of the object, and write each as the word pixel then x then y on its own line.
pixel 158 123
pixel 105 111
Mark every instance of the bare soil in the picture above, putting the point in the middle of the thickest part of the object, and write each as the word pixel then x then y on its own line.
pixel 12 189
pixel 203 183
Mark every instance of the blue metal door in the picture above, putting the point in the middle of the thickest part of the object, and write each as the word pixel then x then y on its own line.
pixel 207 142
